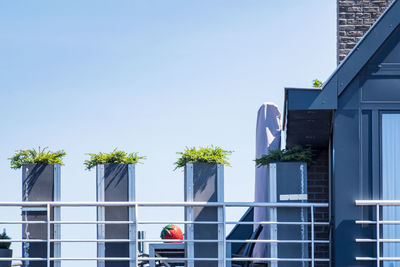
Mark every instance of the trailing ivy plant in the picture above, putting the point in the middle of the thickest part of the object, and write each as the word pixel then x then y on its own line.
pixel 213 155
pixel 33 156
pixel 296 153
pixel 117 156
pixel 4 236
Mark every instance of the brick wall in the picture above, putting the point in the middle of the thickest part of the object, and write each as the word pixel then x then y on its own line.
pixel 355 17
pixel 318 191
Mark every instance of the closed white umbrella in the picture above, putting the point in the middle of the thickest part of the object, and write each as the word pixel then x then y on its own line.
pixel 268 137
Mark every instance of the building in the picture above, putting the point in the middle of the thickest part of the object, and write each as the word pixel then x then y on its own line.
pixel 352 123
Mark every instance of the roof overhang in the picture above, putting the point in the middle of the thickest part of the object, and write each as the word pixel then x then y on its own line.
pixel 308 117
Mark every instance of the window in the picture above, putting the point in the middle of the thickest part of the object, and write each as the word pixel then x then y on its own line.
pixel 391 182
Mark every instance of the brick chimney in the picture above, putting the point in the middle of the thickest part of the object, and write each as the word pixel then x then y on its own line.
pixel 354 18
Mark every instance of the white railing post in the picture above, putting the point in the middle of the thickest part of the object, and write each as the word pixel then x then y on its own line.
pixel 312 236
pixel 133 227
pixel 221 224
pixel 189 216
pixel 136 235
pixel 57 215
pixel 377 237
pixel 224 224
pixel 100 214
pixel 48 234
pixel 273 214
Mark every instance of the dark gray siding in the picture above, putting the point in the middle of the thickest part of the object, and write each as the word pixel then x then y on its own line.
pixel 356 144
pixel 346 179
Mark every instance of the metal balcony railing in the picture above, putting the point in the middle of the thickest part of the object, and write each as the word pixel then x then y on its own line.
pixel 137 259
pixel 377 207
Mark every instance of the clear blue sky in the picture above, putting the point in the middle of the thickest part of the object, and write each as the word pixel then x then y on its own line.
pixel 152 77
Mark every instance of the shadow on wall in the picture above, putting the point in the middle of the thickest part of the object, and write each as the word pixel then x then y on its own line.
pixel 348 229
pixel 31 179
pixel 116 171
pixel 205 182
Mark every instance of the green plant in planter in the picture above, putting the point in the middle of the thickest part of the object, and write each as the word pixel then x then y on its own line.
pixel 296 153
pixel 4 236
pixel 213 155
pixel 117 156
pixel 33 156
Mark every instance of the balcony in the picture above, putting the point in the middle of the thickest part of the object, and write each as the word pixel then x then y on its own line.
pixel 384 225
pixel 137 247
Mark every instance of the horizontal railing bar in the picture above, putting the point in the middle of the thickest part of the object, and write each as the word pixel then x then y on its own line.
pixel 110 259
pixel 23 222
pixel 365 222
pixel 389 258
pixel 91 240
pixel 381 240
pixel 274 204
pixel 231 222
pixel 169 240
pixel 67 222
pixel 67 240
pixel 378 202
pixel 277 241
pixel 27 240
pixel 285 223
pixel 180 241
pixel 216 222
pixel 179 222
pixel 230 241
pixel 105 259
pixel 162 204
pixel 380 222
pixel 133 222
pixel 380 258
pixel 162 258
pixel 139 240
pixel 92 222
pixel 164 222
pixel 233 259
pixel 165 259
pixel 67 259
pixel 278 259
pixel 22 259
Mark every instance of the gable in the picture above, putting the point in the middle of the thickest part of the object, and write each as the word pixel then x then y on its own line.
pixel 389 52
pixel 380 78
pixel 364 50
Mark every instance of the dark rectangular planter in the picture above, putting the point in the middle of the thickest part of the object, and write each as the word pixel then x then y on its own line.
pixel 5 253
pixel 116 182
pixel 286 182
pixel 204 183
pixel 40 182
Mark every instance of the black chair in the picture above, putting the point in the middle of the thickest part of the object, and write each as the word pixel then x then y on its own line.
pixel 248 249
